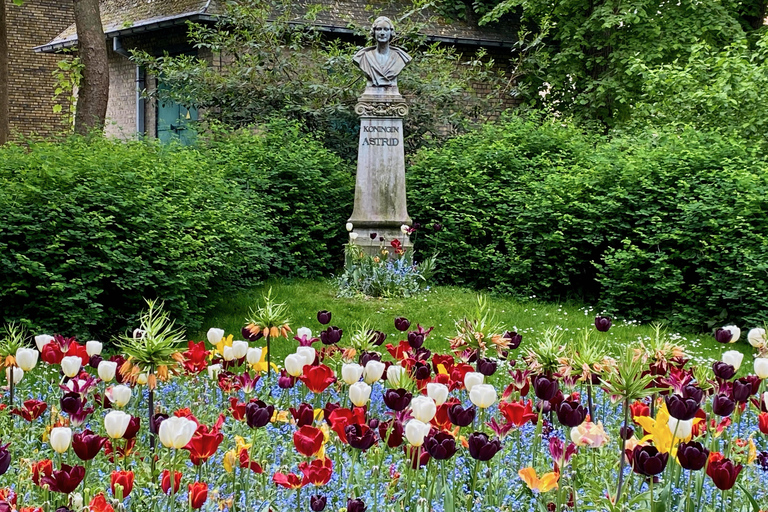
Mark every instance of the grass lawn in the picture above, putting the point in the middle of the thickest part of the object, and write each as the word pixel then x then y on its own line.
pixel 440 307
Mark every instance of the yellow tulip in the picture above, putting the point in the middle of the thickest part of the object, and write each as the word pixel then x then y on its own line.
pixel 547 482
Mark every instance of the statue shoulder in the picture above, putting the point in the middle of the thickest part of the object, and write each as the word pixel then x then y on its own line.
pixel 402 53
pixel 359 55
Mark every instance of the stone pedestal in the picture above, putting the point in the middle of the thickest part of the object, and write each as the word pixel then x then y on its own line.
pixel 380 185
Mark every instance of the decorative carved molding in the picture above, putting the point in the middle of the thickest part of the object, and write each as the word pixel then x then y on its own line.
pixel 381 109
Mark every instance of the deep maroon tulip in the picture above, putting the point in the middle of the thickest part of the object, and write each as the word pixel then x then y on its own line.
pixel 71 403
pixel 377 338
pixel 392 432
pixel 368 356
pixel 328 409
pixel 5 458
pixel 402 323
pixel 373 423
pixel 331 335
pixel 317 502
pixel 571 413
pixel 722 405
pixel 64 480
pixel 258 413
pixel 415 340
pixel 723 472
pixel 157 419
pixel 441 446
pixel 356 505
pixel 692 455
pixel 133 427
pixel 742 389
pixel 63 509
pixel 94 361
pixel 421 371
pixel 626 433
pixel 682 408
pixel 693 392
pixel 481 447
pixel 648 461
pixel 285 381
pixel 304 414
pixel 545 388
pixel 603 323
pixel 373 236
pixel 514 339
pixel 324 317
pixel 87 445
pixel 359 436
pixel 723 335
pixel 486 366
pixel 248 335
pixel 397 399
pixel 437 226
pixel 723 370
pixel 460 416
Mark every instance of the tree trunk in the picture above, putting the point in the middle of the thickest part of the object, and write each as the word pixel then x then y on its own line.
pixel 4 88
pixel 93 93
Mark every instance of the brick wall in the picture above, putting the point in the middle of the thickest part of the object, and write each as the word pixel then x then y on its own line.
pixel 121 108
pixel 31 82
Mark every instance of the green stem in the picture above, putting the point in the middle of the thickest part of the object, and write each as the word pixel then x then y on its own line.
pixel 474 482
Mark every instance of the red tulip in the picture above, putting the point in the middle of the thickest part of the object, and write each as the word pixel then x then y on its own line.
pixel 237 408
pixel 762 422
pixel 87 444
pixel 123 479
pixel 41 469
pixel 289 481
pixel 31 410
pixel 308 440
pixel 318 472
pixel 165 481
pixel 52 353
pixel 198 493
pixel 340 418
pixel 518 413
pixel 317 378
pixel 99 504
pixel 398 352
pixel 246 462
pixel 639 409
pixel 196 358
pixel 64 480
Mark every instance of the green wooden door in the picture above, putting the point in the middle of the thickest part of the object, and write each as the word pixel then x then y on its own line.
pixel 175 122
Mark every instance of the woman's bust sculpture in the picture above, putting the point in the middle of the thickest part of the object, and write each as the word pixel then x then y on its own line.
pixel 382 63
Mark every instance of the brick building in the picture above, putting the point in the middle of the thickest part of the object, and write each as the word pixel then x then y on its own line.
pixel 159 26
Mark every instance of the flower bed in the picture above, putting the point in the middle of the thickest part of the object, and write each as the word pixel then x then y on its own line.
pixel 356 421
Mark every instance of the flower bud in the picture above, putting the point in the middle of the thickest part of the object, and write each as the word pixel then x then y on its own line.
pixel 70 365
pixel 116 423
pixel 423 408
pixel 26 358
pixel 483 395
pixel 93 347
pixel 351 373
pixel 294 365
pixel 733 358
pixel 215 335
pixel 213 371
pixel 416 431
pixel 761 367
pixel 471 379
pixel 42 340
pixel 309 354
pixel 239 349
pixel 253 355
pixel 359 393
pixel 18 374
pixel 437 392
pixel 61 439
pixel 119 395
pixel 756 337
pixel 373 371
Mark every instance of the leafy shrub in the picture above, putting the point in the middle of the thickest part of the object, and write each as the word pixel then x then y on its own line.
pixel 90 227
pixel 653 226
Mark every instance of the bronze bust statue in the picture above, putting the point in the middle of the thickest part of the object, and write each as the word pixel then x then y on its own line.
pixel 382 63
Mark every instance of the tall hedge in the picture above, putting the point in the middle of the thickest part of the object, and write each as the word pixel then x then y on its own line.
pixel 653 226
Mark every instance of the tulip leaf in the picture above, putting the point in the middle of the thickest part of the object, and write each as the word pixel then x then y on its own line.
pixel 751 499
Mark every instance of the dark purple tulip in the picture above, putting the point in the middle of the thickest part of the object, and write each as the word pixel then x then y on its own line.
pixel 359 436
pixel 486 366
pixel 481 447
pixel 437 226
pixel 248 335
pixel 723 370
pixel 692 455
pixel 647 460
pixel 64 480
pixel 693 392
pixel 415 340
pixel 133 428
pixel 722 405
pixel 356 505
pixel 742 390
pixel 94 361
pixel 304 414
pixel 421 371
pixel 381 239
pixel 328 409
pixel 723 335
pixel 331 335
pixel 71 403
pixel 157 419
pixel 514 339
pixel 571 413
pixel 63 509
pixel 317 502
pixel 460 416
pixel 258 413
pixel 391 432
pixel 545 388
pixel 603 323
pixel 368 356
pixel 5 458
pixel 402 323
pixel 626 433
pixel 397 399
pixel 87 445
pixel 373 236
pixel 378 338
pixel 682 408
pixel 324 317
pixel 373 423
pixel 285 381
pixel 441 446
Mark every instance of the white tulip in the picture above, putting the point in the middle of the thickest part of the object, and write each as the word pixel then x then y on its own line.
pixel 119 395
pixel 472 379
pixel 756 337
pixel 373 371
pixel 214 335
pixel 359 393
pixel 765 399
pixel 423 408
pixel 351 373
pixel 176 432
pixel 416 431
pixel 304 331
pixel 61 439
pixel 26 358
pixel 213 371
pixel 681 429
pixel 735 333
pixel 733 358
pixel 228 353
pixel 77 501
pixel 294 365
pixel 483 395
pixel 253 355
pixel 353 236
pixel 93 348
pixel 70 365
pixel 396 376
pixel 404 229
pixel 141 379
pixel 107 370
pixel 349 226
pixel 42 340
pixel 116 423
pixel 308 353
pixel 18 374
pixel 761 367
pixel 239 348
pixel 437 392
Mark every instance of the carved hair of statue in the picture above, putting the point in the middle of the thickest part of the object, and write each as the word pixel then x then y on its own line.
pixel 381 20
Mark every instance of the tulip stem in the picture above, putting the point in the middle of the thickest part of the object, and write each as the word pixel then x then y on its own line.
pixel 537 436
pixel 474 482
pixel 590 406
pixel 10 384
pixel 622 456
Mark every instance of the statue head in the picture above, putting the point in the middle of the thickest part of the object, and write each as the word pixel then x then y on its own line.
pixel 382 30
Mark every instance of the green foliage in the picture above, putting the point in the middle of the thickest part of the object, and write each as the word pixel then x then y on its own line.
pixel 383 276
pixel 89 227
pixel 68 74
pixel 659 225
pixel 274 66
pixel 156 340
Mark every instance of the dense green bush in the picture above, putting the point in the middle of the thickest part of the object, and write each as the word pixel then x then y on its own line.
pixel 666 226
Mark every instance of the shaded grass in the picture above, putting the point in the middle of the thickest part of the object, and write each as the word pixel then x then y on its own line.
pixel 439 307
